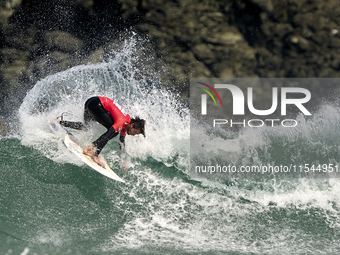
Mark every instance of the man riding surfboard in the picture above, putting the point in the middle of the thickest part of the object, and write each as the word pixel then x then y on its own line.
pixel 111 115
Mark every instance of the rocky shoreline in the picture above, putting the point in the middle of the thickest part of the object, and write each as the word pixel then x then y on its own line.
pixel 213 38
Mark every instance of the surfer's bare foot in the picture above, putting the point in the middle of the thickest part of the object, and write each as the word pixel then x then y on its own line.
pixel 96 159
pixel 89 151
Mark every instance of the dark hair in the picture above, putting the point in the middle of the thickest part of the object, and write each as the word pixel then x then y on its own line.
pixel 139 124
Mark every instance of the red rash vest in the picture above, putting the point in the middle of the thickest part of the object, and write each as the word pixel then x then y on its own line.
pixel 120 118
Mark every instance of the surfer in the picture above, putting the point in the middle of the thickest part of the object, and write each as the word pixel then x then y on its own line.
pixel 111 115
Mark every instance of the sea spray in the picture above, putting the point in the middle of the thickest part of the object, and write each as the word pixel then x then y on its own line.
pixel 59 206
pixel 117 78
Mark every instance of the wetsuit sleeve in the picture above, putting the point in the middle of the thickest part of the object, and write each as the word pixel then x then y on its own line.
pixel 103 139
pixel 122 142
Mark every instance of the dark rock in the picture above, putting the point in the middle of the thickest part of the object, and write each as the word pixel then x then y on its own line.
pixel 7 8
pixel 95 57
pixel 266 5
pixel 335 42
pixel 53 62
pixel 203 52
pixel 214 38
pixel 62 41
pixel 224 38
pixel 22 39
pixel 14 65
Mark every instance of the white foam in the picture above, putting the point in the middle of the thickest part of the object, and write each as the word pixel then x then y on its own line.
pixel 167 128
pixel 25 251
pixel 176 213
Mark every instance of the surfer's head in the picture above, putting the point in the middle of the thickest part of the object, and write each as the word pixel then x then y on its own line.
pixel 136 127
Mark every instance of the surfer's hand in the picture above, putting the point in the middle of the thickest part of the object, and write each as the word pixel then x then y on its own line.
pixel 123 166
pixel 96 159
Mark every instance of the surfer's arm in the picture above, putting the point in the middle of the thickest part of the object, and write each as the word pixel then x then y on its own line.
pixel 103 139
pixel 122 142
pixel 123 154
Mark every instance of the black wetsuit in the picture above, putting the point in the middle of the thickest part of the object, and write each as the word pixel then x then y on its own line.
pixel 94 110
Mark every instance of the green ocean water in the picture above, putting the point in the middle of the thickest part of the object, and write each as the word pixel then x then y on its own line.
pixel 51 203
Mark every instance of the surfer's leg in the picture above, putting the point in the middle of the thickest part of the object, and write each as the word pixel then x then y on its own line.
pixel 71 124
pixel 94 110
pixel 87 116
pixel 90 104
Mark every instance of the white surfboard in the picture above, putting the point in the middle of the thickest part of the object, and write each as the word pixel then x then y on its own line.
pixel 72 145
